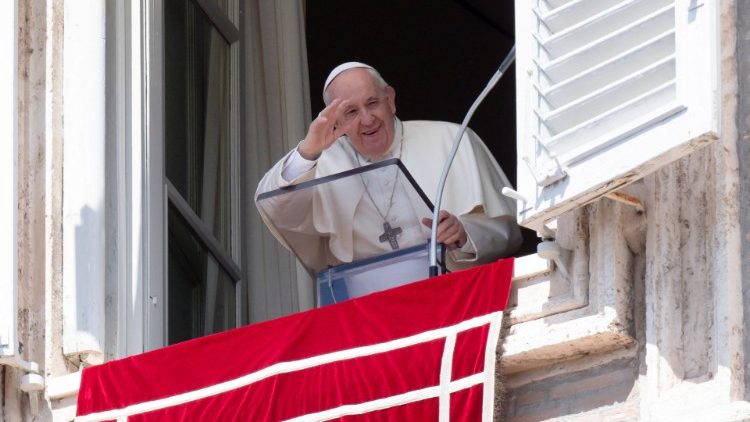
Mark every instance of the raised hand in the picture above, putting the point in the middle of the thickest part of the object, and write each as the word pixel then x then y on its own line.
pixel 324 130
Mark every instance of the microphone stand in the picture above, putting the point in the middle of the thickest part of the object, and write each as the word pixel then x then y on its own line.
pixel 447 166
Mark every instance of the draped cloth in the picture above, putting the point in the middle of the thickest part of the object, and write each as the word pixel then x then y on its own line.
pixel 430 356
pixel 472 191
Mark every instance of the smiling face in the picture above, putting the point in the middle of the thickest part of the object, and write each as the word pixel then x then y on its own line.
pixel 371 113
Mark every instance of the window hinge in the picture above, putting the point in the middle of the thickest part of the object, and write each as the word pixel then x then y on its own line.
pixel 551 251
pixel 31 382
pixel 548 176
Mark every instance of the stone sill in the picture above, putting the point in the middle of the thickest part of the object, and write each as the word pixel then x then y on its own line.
pixel 63 386
pixel 547 331
pixel 535 345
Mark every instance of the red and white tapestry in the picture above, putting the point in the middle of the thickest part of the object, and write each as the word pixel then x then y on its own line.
pixel 421 352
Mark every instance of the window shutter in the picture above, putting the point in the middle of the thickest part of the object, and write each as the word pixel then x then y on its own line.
pixel 607 91
pixel 8 180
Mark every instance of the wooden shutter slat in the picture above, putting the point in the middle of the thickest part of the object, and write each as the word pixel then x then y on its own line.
pixel 612 69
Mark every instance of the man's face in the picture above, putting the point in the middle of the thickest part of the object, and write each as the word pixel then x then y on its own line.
pixel 370 114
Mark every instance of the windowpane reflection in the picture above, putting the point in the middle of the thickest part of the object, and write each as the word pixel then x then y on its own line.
pixel 197 148
pixel 202 297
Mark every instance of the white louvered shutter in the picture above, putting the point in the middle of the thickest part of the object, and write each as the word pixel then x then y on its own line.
pixel 8 203
pixel 607 91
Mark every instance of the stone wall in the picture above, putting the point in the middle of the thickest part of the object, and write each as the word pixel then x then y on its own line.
pixel 743 126
pixel 667 282
pixel 672 280
pixel 598 393
pixel 40 123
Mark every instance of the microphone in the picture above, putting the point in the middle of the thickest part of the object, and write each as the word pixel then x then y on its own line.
pixel 507 61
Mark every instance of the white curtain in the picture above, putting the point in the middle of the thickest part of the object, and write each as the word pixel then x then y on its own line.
pixel 276 115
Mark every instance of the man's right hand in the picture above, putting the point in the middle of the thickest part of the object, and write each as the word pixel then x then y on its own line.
pixel 324 130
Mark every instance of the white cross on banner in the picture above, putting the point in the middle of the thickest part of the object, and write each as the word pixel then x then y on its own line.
pixel 420 352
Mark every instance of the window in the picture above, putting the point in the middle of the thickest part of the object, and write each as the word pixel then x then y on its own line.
pixel 608 91
pixel 200 146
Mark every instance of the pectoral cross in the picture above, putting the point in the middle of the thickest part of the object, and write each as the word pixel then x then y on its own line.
pixel 390 235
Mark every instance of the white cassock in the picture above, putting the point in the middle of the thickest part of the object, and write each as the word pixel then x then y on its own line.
pixel 345 220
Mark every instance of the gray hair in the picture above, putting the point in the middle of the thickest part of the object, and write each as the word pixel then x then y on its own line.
pixel 381 83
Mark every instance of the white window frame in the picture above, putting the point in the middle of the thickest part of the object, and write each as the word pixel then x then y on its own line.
pixel 127 132
pixel 139 216
pixel 631 155
pixel 155 193
pixel 154 223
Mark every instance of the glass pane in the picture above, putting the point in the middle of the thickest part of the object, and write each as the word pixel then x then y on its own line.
pixel 226 7
pixel 202 296
pixel 389 214
pixel 197 114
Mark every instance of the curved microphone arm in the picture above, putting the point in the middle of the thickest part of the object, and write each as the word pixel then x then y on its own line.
pixel 447 166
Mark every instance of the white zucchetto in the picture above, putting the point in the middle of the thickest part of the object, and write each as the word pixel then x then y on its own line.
pixel 342 68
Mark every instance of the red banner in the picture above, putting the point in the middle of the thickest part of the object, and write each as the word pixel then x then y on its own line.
pixel 424 351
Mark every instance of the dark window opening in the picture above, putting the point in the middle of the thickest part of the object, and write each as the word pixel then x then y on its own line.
pixel 437 54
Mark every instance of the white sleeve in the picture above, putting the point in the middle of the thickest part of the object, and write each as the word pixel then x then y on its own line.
pixel 296 165
pixel 487 239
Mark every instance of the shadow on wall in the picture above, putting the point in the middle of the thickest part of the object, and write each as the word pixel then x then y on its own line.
pixel 84 319
pixel 573 393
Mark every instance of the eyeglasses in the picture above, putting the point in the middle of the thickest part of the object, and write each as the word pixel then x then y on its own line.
pixel 371 105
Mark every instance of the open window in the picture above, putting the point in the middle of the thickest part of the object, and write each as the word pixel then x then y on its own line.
pixel 201 144
pixel 608 91
pixel 438 63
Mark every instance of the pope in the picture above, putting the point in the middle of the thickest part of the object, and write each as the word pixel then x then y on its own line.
pixel 359 126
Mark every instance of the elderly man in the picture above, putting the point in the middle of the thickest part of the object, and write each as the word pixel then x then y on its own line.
pixel 359 126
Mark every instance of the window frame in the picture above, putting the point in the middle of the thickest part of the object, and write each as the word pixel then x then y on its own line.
pixel 157 194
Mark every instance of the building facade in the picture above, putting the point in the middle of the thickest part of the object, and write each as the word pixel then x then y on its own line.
pixel 136 133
